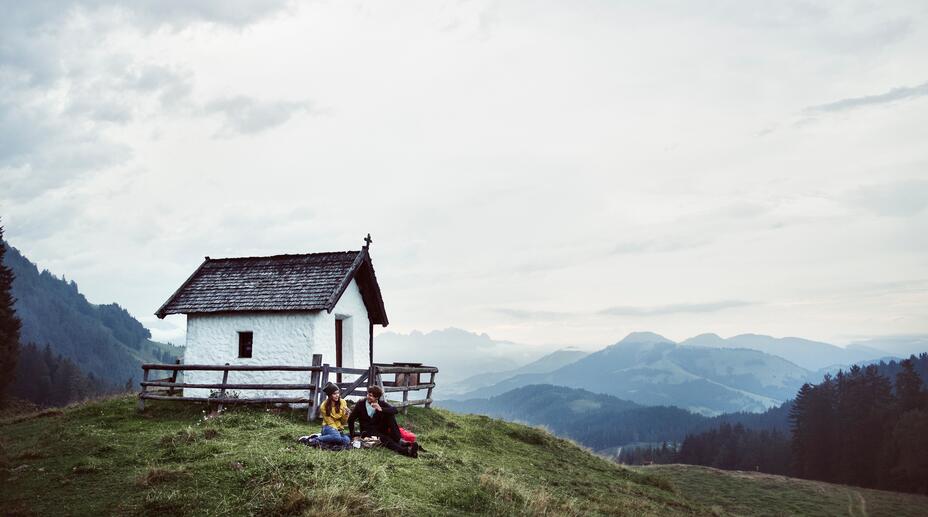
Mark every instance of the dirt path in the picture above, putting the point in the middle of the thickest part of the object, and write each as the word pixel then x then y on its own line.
pixel 860 508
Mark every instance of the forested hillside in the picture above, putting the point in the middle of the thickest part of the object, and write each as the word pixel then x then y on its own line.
pixel 861 428
pixel 97 348
pixel 866 427
pixel 603 421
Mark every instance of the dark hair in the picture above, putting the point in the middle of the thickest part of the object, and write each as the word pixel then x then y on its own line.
pixel 328 404
pixel 375 391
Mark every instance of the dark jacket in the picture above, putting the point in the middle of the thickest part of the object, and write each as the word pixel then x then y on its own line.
pixel 383 423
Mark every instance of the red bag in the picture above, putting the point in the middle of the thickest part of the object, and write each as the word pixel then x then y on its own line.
pixel 407 436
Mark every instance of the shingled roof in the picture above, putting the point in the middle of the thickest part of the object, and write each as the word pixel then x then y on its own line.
pixel 313 281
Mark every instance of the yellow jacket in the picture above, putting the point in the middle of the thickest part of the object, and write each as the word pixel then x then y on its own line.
pixel 339 418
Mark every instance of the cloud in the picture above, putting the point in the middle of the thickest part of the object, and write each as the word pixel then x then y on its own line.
pixel 894 95
pixel 521 314
pixel 659 310
pixel 63 85
pixel 897 199
pixel 675 308
pixel 659 245
pixel 246 115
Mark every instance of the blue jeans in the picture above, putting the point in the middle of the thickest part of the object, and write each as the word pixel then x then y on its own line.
pixel 334 436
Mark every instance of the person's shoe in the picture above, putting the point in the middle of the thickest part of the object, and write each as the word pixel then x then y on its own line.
pixel 414 450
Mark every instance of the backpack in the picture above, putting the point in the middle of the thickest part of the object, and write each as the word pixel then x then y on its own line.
pixel 407 436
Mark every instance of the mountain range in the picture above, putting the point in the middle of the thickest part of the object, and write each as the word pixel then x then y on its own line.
pixel 649 369
pixel 811 355
pixel 457 353
pixel 545 364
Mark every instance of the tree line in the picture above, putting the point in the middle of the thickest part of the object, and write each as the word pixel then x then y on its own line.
pixel 48 379
pixel 101 339
pixel 861 427
pixel 85 345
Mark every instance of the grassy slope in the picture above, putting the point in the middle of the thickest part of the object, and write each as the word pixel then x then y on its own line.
pixel 104 457
pixel 753 493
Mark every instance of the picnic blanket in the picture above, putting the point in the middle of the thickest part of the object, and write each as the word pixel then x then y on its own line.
pixel 363 443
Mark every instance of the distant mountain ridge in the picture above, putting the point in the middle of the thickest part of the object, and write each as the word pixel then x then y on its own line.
pixel 650 369
pixel 103 340
pixel 457 353
pixel 544 364
pixel 811 355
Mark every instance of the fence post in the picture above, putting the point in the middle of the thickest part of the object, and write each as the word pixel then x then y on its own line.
pixel 380 381
pixel 222 391
pixel 173 378
pixel 144 389
pixel 323 380
pixel 314 382
pixel 406 378
pixel 428 395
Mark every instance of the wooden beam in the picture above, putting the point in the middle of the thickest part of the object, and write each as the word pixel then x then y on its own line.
pixel 142 393
pixel 162 384
pixel 350 389
pixel 174 377
pixel 264 400
pixel 406 369
pixel 323 380
pixel 428 394
pixel 412 387
pixel 222 392
pixel 231 368
pixel 352 371
pixel 313 408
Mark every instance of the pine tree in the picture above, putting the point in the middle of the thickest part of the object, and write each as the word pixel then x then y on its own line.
pixel 908 386
pixel 9 326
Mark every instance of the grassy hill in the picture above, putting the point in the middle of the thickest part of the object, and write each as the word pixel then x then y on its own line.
pixel 105 458
pixel 755 493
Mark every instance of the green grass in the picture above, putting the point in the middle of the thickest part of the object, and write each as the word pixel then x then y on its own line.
pixel 106 458
pixel 752 493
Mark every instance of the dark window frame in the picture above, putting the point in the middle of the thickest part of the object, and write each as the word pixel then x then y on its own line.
pixel 246 341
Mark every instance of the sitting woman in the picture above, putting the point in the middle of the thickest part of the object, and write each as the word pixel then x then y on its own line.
pixel 334 417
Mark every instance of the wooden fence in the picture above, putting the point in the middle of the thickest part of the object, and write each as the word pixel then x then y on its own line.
pixel 405 379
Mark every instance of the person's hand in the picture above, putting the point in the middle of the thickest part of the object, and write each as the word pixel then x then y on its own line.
pixel 376 406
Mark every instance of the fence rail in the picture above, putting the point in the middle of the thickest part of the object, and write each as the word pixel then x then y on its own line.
pixel 405 379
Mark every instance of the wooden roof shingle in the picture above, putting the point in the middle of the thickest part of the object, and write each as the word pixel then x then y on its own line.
pixel 313 281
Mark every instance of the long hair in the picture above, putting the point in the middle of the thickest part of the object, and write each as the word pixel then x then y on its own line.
pixel 328 405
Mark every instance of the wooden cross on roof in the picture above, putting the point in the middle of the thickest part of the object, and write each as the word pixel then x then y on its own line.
pixel 368 241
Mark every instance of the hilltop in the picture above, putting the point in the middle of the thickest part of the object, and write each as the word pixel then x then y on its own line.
pixel 104 457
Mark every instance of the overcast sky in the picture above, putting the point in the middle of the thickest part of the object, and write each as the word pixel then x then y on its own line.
pixel 544 172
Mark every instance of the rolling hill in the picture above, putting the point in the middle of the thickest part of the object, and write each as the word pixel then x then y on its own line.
pixel 104 458
pixel 729 492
